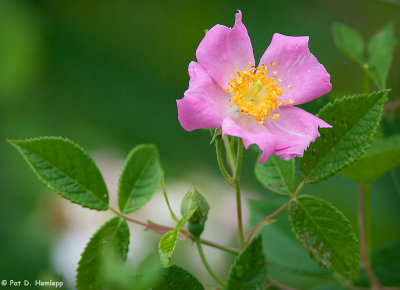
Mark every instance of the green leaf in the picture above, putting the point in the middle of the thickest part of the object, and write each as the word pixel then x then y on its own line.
pixel 249 270
pixel 66 169
pixel 288 262
pixel 326 234
pixel 385 263
pixel 140 178
pixel 176 278
pixel 113 235
pixel 380 50
pixel 354 121
pixel 167 243
pixel 277 175
pixel 349 41
pixel 381 157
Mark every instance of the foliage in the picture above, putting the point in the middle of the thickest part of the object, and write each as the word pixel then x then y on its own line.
pixel 325 236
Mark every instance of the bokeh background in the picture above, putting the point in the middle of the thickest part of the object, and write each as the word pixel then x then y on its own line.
pixel 107 74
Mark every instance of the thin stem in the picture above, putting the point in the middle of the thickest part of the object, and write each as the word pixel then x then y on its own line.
pixel 363 212
pixel 166 199
pixel 205 262
pixel 239 214
pixel 265 221
pixel 273 283
pixel 163 229
pixel 157 228
pixel 221 247
pixel 239 155
pixel 299 187
pixel 219 158
pixel 391 106
pixel 229 154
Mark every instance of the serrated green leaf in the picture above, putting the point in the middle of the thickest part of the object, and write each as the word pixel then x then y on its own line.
pixel 113 235
pixel 349 41
pixel 381 157
pixel 140 178
pixel 66 169
pixel 288 262
pixel 167 243
pixel 385 263
pixel 354 121
pixel 380 50
pixel 326 234
pixel 177 278
pixel 276 174
pixel 249 270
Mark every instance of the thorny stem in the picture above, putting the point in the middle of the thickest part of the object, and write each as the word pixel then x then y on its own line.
pixel 163 229
pixel 207 265
pixel 363 215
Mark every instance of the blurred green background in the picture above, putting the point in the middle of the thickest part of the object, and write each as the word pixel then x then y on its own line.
pixel 107 74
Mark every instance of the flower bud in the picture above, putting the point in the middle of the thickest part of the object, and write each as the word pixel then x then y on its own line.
pixel 194 200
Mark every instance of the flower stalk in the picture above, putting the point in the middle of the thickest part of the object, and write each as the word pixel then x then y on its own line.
pixel 364 229
pixel 207 265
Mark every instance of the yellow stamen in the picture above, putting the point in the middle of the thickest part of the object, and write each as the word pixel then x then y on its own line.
pixel 255 94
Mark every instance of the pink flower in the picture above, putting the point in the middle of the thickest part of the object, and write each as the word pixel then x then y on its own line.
pixel 255 103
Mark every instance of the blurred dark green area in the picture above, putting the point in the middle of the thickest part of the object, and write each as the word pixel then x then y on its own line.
pixel 108 73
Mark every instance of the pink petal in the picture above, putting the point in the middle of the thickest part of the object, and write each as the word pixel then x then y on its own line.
pixel 295 129
pixel 251 133
pixel 297 67
pixel 204 104
pixel 223 50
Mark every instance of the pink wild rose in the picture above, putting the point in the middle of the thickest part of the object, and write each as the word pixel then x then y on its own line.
pixel 255 103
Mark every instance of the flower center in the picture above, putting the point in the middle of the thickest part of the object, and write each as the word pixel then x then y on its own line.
pixel 255 94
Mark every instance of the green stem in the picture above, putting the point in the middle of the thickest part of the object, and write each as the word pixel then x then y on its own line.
pixel 229 154
pixel 239 155
pixel 265 221
pixel 296 192
pixel 205 262
pixel 166 199
pixel 219 158
pixel 239 214
pixel 364 228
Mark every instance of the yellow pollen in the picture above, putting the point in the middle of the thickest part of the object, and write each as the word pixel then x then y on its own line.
pixel 290 87
pixel 275 73
pixel 255 94
pixel 291 102
pixel 273 63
